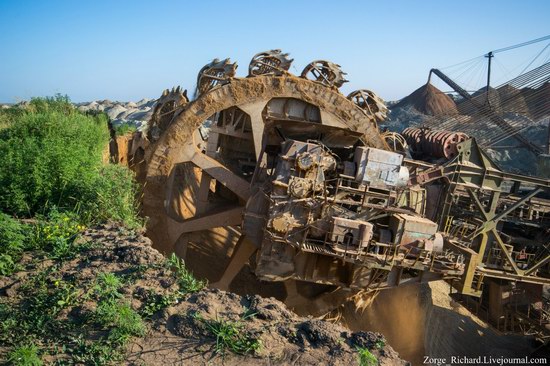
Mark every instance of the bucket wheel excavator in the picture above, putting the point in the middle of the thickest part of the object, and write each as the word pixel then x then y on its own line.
pixel 283 174
pixel 281 185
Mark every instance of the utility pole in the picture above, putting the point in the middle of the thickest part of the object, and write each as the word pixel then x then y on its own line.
pixel 489 56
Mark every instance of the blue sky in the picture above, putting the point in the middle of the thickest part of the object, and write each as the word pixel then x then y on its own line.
pixel 128 50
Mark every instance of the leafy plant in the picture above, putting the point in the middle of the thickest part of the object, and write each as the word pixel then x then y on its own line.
pixel 186 281
pixel 156 302
pixel 26 355
pixel 12 242
pixel 107 286
pixel 366 358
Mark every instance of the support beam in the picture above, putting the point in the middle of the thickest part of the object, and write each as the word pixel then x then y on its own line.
pixel 505 251
pixel 236 184
pixel 210 220
pixel 518 203
pixel 241 254
pixel 537 266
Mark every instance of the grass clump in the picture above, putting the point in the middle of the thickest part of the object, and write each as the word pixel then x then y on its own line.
pixel 366 358
pixel 26 355
pixel 230 335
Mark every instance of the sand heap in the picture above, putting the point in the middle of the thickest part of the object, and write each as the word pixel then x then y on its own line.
pixel 429 100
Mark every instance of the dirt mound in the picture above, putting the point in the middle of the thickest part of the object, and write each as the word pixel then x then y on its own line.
pixel 429 100
pixel 206 326
pixel 512 100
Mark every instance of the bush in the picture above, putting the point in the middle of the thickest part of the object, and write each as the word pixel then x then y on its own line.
pixel 53 157
pixel 12 243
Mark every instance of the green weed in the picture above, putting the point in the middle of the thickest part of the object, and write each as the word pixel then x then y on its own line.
pixel 107 286
pixel 26 355
pixel 121 317
pixel 230 335
pixel 366 358
pixel 186 281
pixel 156 302
pixel 124 129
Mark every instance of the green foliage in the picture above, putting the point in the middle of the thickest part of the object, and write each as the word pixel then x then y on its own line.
pixel 230 335
pixel 55 234
pixel 26 355
pixel 121 317
pixel 156 302
pixel 8 116
pixel 186 281
pixel 100 352
pixel 124 129
pixel 52 156
pixel 122 320
pixel 12 242
pixel 366 358
pixel 114 197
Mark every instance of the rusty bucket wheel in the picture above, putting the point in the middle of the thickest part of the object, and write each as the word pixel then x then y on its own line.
pixel 272 62
pixel 325 72
pixel 191 197
pixel 370 103
pixel 215 73
pixel 396 142
pixel 168 106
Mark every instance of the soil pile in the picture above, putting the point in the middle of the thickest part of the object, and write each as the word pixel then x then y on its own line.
pixel 430 101
pixel 205 326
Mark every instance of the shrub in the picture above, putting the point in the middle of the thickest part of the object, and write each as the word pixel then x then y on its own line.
pixel 12 242
pixel 53 157
pixel 123 129
pixel 114 197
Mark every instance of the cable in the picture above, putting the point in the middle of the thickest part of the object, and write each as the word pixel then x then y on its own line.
pixel 521 44
pixel 537 56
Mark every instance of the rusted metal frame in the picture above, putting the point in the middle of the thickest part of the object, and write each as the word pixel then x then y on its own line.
pixel 507 254
pixel 229 217
pixel 232 133
pixel 492 220
pixel 513 276
pixel 489 226
pixel 236 184
pixel 537 266
pixel 244 249
pixel 517 204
